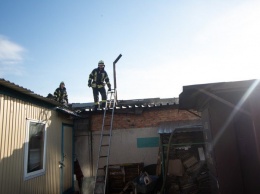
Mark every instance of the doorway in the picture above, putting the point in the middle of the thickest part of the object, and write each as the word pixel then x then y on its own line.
pixel 66 163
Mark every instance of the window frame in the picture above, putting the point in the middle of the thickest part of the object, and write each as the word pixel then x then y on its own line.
pixel 40 172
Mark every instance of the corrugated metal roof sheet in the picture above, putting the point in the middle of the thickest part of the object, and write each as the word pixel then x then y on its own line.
pixel 67 111
pixel 134 103
pixel 149 102
pixel 25 91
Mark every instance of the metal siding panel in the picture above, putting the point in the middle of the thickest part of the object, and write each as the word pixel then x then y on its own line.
pixel 17 147
pixel 53 155
pixel 21 128
pixel 8 159
pixel 13 114
pixel 1 140
pixel 5 147
pixel 17 144
pixel 34 186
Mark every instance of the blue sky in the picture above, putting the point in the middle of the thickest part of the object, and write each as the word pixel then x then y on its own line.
pixel 165 44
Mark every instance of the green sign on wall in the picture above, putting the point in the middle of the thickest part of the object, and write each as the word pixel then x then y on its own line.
pixel 147 142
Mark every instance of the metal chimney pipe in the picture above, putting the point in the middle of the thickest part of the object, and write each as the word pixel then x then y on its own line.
pixel 114 72
pixel 114 69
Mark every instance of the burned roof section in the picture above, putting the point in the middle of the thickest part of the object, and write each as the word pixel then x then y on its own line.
pixel 130 104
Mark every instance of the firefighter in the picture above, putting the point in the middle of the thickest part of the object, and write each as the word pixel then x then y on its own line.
pixel 61 95
pixel 97 79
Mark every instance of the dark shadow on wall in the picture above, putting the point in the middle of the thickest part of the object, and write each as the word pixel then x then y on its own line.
pixel 12 169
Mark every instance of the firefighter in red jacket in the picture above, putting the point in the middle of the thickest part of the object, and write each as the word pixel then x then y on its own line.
pixel 98 78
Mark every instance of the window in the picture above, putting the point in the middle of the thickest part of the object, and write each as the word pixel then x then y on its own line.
pixel 35 149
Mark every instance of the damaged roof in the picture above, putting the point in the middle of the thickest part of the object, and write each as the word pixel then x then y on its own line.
pixel 129 104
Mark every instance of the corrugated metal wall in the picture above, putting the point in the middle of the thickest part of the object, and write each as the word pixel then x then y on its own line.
pixel 13 115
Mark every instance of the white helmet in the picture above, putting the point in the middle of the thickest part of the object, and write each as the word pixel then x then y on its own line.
pixel 101 62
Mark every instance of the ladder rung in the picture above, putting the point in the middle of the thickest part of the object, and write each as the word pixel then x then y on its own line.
pixel 102 156
pixel 105 145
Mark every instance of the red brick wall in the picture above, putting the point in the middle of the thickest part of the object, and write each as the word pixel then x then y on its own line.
pixel 150 117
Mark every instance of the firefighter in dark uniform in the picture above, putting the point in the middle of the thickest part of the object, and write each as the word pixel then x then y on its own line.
pixel 60 94
pixel 97 79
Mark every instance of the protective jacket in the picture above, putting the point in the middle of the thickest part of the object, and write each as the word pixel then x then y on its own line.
pixel 97 78
pixel 61 95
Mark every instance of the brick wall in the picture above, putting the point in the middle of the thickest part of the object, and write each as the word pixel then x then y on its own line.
pixel 149 117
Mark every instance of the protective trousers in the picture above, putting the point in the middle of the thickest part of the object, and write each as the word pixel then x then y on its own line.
pixel 96 92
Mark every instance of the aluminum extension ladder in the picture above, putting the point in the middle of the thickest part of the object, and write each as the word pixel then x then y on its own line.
pixel 105 142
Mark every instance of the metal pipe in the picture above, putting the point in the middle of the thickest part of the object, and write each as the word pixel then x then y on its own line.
pixel 114 72
pixel 114 69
